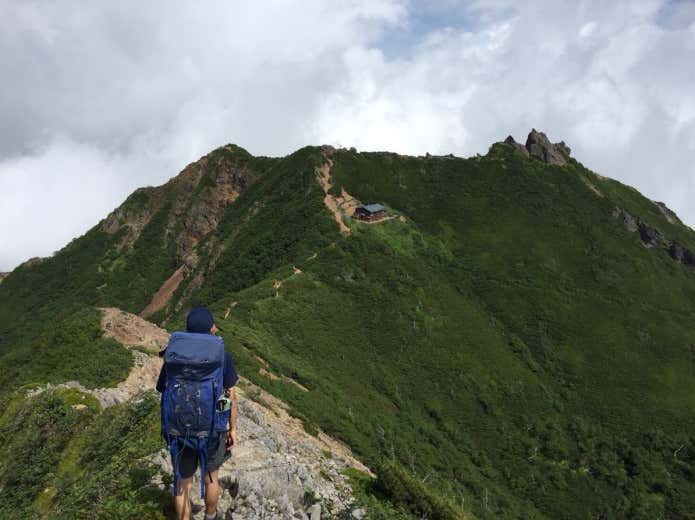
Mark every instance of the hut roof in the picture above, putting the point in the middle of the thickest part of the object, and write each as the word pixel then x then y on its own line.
pixel 373 208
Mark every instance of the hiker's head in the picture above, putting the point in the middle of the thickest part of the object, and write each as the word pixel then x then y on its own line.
pixel 200 320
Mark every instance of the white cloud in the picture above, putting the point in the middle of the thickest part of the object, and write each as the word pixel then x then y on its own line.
pixel 608 78
pixel 63 190
pixel 100 98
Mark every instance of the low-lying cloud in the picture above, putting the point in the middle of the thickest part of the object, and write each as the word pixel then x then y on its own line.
pixel 99 99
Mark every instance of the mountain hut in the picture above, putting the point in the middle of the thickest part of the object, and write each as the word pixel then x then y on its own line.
pixel 369 212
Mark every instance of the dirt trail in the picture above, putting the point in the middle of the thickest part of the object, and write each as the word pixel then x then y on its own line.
pixel 339 206
pixel 276 459
pixel 164 293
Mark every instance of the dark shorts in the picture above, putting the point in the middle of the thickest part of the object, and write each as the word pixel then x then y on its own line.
pixel 217 454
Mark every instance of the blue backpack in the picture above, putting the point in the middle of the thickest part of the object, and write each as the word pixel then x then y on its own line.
pixel 194 365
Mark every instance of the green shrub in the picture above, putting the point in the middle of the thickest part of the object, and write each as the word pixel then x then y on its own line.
pixel 401 487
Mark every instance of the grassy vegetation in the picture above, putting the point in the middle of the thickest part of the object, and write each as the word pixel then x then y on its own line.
pixel 276 220
pixel 497 343
pixel 69 348
pixel 61 458
pixel 509 351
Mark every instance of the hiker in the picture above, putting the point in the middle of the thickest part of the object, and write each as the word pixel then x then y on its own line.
pixel 199 409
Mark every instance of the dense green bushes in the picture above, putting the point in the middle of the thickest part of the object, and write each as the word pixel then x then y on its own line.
pixel 106 473
pixel 69 348
pixel 33 435
pixel 402 488
pixel 62 458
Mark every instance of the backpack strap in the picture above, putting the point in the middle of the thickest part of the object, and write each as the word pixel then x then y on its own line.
pixel 202 461
pixel 175 451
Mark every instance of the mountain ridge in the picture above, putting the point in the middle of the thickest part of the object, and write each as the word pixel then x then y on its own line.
pixel 516 345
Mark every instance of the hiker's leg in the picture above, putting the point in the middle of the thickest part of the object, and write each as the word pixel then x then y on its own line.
pixel 212 491
pixel 183 499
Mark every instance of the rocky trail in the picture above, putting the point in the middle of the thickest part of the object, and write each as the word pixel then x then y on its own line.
pixel 340 206
pixel 277 471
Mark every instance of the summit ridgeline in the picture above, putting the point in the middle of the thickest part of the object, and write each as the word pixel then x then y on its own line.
pixel 497 337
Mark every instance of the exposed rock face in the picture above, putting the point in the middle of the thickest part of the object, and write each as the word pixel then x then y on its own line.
pixel 538 145
pixel 681 254
pixel 131 330
pixel 668 213
pixel 510 140
pixel 629 221
pixel 652 237
pixel 132 214
pixel 195 201
pixel 2 276
pixel 202 215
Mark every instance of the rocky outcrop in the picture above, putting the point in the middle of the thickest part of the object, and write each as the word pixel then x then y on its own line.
pixel 132 331
pixel 653 237
pixel 539 146
pixel 629 221
pixel 2 276
pixel 668 213
pixel 34 260
pixel 681 254
pixel 201 215
pixel 520 147
pixel 133 215
pixel 203 190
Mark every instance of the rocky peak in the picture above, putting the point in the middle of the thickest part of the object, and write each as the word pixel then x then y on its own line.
pixel 194 201
pixel 198 196
pixel 539 146
pixel 510 141
pixel 209 186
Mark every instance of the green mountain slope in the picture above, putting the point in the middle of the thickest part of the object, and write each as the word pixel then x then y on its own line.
pixel 519 343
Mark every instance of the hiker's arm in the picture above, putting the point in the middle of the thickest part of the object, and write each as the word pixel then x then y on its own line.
pixel 232 416
pixel 231 437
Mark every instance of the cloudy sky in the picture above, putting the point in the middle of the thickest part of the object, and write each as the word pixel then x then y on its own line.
pixel 98 98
